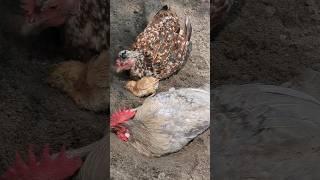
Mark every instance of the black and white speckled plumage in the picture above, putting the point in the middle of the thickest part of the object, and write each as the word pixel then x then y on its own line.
pixel 89 27
pixel 164 46
pixel 85 22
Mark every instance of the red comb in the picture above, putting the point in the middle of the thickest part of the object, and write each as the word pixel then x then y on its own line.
pixel 28 6
pixel 121 116
pixel 47 168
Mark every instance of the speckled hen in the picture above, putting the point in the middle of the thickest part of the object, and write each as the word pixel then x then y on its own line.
pixel 160 50
pixel 85 24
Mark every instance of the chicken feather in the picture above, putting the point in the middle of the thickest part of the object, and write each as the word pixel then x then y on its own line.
pixel 165 50
pixel 169 120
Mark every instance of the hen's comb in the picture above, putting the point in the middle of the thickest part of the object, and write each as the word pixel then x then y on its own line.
pixel 28 6
pixel 47 168
pixel 121 116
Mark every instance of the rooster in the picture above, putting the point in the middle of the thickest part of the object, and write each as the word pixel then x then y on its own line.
pixel 268 124
pixel 244 115
pixel 85 26
pixel 165 122
pixel 160 50
pixel 62 165
pixel 53 168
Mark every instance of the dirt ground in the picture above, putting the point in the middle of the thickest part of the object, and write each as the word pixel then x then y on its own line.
pixel 266 41
pixel 262 41
pixel 128 19
pixel 31 112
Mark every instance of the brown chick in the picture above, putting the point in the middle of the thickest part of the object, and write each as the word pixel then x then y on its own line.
pixel 86 83
pixel 143 87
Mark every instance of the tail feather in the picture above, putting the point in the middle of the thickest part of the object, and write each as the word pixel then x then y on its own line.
pixel 188 28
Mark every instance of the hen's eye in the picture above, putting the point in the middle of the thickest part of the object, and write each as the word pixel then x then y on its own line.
pixel 123 55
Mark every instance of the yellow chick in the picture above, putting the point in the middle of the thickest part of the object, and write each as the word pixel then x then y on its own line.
pixel 143 87
pixel 86 83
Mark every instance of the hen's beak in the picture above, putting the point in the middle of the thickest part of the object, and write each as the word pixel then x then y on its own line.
pixel 118 70
pixel 118 66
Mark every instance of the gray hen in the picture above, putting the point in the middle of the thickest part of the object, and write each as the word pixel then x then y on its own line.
pixel 165 122
pixel 269 132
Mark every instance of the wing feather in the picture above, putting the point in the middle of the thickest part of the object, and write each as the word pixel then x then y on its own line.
pixel 164 47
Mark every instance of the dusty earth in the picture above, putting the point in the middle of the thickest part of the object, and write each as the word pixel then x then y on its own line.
pixel 128 19
pixel 266 41
pixel 262 41
pixel 31 112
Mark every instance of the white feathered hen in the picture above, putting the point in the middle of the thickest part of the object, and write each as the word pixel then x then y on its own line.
pixel 269 131
pixel 165 122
